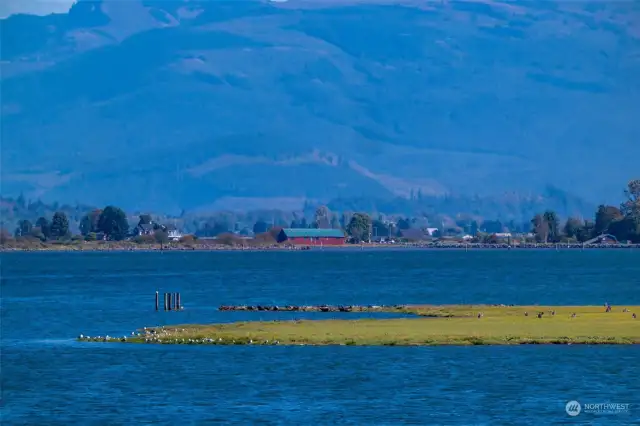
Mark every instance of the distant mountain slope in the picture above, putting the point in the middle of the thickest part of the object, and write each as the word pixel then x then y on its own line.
pixel 175 104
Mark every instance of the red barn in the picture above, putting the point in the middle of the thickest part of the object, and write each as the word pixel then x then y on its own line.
pixel 311 237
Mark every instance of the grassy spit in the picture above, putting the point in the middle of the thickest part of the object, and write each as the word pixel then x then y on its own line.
pixel 435 325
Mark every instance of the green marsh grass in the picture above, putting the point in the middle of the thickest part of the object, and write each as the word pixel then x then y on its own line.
pixel 433 325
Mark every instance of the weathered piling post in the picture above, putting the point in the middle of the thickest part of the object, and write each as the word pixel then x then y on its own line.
pixel 170 301
pixel 166 301
pixel 157 296
pixel 178 305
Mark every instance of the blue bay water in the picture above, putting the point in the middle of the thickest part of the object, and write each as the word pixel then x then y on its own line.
pixel 49 378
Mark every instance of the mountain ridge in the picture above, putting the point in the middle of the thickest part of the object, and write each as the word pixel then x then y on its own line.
pixel 302 100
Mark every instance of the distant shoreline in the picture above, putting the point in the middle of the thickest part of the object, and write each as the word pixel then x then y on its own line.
pixel 132 247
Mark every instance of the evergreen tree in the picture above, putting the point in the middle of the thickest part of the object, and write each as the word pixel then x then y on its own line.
pixel 572 227
pixel 113 222
pixel 44 226
pixel 359 227
pixel 260 227
pixel 540 228
pixel 24 228
pixel 89 222
pixel 586 232
pixel 605 216
pixel 553 225
pixel 59 225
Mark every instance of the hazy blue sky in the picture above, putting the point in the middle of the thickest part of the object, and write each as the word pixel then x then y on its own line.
pixel 37 7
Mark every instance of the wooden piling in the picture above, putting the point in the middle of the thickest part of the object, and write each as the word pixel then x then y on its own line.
pixel 166 301
pixel 157 296
pixel 178 305
pixel 170 301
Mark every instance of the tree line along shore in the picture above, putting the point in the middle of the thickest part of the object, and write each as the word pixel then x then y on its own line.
pixel 196 247
pixel 109 228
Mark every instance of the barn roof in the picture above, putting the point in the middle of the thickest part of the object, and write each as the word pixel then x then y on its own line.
pixel 312 233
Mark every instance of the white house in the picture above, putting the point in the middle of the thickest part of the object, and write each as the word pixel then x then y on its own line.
pixel 174 235
pixel 431 231
pixel 503 235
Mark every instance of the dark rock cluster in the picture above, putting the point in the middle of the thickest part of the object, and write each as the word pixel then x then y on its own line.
pixel 311 308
